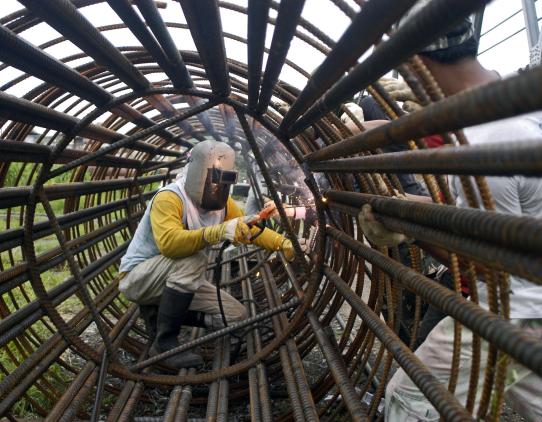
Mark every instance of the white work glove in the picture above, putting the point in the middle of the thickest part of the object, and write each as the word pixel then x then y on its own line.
pixel 288 248
pixel 282 107
pixel 357 111
pixel 411 106
pixel 375 231
pixel 397 89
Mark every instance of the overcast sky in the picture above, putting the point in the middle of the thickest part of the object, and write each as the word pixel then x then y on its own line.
pixel 505 58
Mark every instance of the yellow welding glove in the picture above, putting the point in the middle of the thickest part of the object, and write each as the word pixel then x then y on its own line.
pixel 234 230
pixel 288 248
pixel 268 239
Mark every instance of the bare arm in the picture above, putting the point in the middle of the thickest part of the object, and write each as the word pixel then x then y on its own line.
pixel 366 125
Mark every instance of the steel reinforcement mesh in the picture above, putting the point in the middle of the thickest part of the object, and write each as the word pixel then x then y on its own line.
pixel 99 131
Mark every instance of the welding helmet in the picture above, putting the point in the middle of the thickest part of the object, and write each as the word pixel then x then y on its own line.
pixel 211 172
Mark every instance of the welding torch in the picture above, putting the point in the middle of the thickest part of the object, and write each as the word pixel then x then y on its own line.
pixel 270 210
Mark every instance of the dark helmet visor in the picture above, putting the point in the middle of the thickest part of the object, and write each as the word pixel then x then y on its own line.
pixel 217 188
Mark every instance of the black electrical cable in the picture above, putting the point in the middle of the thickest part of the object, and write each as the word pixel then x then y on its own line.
pixel 216 279
pixel 216 274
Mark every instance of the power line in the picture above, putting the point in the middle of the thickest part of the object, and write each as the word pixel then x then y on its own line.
pixel 501 22
pixel 505 39
pixel 501 41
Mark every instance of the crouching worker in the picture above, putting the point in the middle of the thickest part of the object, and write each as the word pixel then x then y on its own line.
pixel 164 267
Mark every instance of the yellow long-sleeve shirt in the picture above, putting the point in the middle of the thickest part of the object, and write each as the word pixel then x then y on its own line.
pixel 174 241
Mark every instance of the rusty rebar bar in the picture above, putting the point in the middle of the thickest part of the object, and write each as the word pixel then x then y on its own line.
pixel 116 126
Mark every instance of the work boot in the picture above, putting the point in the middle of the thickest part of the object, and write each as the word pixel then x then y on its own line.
pixel 212 322
pixel 171 313
pixel 194 319
pixel 149 314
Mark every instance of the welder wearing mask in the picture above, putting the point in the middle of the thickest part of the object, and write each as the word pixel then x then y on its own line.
pixel 165 264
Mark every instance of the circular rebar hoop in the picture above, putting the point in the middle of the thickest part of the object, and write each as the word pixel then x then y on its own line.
pixel 101 130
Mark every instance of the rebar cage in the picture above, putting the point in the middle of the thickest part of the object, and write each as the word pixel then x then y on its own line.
pixel 85 149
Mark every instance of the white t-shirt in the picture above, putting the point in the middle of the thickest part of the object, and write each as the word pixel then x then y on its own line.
pixel 513 195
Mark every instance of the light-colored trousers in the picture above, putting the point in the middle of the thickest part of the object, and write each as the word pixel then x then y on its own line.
pixel 405 402
pixel 145 282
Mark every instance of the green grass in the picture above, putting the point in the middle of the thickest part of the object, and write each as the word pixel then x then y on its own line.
pixel 25 174
pixel 55 374
pixel 11 356
pixel 25 408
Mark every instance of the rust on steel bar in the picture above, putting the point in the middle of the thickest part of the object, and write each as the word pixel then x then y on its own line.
pixel 176 409
pixel 289 13
pixel 205 25
pixel 527 266
pixel 173 402
pixel 156 24
pixel 31 312
pixel 257 26
pixel 120 95
pixel 338 369
pixel 25 111
pixel 224 383
pixel 497 100
pixel 126 12
pixel 118 334
pixel 129 140
pixel 12 197
pixel 508 230
pixel 181 79
pixel 436 19
pixel 64 16
pixel 271 186
pixel 220 352
pixel 507 337
pixel 296 382
pixel 23 55
pixel 234 258
pixel 16 276
pixel 78 276
pixel 24 152
pixel 95 416
pixel 14 237
pixel 524 265
pixel 520 158
pixel 120 411
pixel 258 378
pixel 217 334
pixel 367 27
pixel 23 376
pixel 66 19
pixel 19 53
pixel 435 391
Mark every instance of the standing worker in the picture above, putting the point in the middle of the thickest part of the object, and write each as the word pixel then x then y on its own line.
pixel 164 267
pixel 453 63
